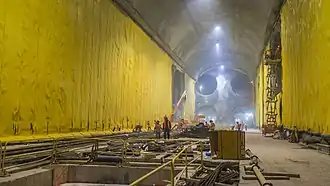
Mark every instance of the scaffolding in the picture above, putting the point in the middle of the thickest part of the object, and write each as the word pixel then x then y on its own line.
pixel 272 89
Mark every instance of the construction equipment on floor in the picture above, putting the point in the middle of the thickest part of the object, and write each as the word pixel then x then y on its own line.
pixel 260 175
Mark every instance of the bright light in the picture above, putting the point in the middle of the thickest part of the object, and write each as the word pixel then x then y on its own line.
pixel 200 88
pixel 217 45
pixel 251 82
pixel 217 28
pixel 221 83
pixel 248 114
pixel 247 118
pixel 222 67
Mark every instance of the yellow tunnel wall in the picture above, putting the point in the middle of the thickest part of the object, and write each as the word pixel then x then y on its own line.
pixel 259 98
pixel 68 66
pixel 189 105
pixel 306 71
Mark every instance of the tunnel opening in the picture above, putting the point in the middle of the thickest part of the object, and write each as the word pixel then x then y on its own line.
pixel 241 85
pixel 233 90
pixel 206 84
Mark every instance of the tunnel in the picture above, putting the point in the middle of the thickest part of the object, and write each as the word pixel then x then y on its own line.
pixel 78 73
pixel 101 64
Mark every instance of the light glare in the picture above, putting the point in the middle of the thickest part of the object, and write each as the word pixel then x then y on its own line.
pixel 248 114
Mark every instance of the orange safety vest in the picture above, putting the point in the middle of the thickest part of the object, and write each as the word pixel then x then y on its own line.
pixel 212 126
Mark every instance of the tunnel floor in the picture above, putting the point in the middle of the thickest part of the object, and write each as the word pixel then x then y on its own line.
pixel 281 156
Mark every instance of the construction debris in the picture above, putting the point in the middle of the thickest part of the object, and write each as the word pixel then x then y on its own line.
pixel 224 173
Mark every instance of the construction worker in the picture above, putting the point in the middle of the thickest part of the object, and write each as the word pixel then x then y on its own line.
pixel 148 125
pixel 206 125
pixel 238 125
pixel 138 128
pixel 119 128
pixel 212 126
pixel 157 129
pixel 167 127
pixel 278 52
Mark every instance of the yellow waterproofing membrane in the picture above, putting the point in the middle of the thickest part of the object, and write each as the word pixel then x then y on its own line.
pixel 306 78
pixel 189 104
pixel 259 98
pixel 77 66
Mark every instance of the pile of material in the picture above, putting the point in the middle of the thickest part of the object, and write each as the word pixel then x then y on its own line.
pixel 309 138
pixel 325 139
pixel 194 132
pixel 224 173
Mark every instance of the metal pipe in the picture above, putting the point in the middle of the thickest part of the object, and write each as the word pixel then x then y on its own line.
pixel 172 173
pixel 261 179
pixel 254 160
pixel 186 164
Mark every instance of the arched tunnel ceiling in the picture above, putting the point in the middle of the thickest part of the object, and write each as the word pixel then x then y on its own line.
pixel 187 29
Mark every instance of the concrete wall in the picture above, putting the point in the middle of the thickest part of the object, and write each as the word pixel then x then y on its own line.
pixel 119 175
pixel 35 177
pixel 306 78
pixel 60 174
pixel 107 174
pixel 77 66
